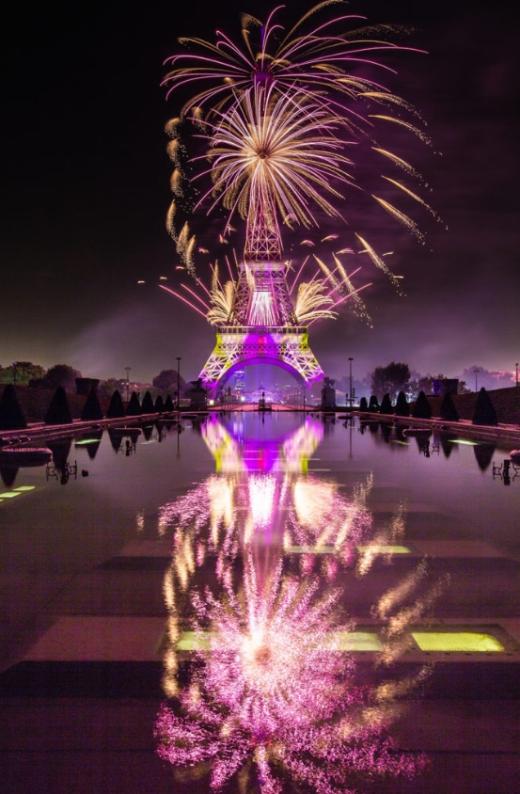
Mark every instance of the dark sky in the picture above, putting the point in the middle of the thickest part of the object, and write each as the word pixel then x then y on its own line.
pixel 85 183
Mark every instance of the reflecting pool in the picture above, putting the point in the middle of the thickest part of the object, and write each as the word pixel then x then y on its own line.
pixel 261 603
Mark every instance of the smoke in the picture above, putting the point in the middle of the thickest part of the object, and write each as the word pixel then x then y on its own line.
pixel 146 336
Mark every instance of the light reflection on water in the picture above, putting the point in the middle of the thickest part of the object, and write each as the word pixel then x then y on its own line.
pixel 289 612
pixel 271 692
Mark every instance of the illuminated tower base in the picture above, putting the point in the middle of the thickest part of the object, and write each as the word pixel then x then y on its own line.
pixel 238 346
pixel 264 330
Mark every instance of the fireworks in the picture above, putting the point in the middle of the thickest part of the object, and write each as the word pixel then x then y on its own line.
pixel 318 63
pixel 319 59
pixel 273 695
pixel 276 111
pixel 272 690
pixel 276 150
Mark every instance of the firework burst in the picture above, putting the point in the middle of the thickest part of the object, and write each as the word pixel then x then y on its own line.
pixel 324 63
pixel 272 696
pixel 276 150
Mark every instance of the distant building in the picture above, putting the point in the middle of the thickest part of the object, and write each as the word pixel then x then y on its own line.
pixel 442 386
pixel 84 385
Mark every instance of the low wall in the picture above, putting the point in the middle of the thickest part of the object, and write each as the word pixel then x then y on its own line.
pixel 506 402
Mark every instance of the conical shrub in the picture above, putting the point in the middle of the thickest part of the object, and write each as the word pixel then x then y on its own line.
pixel 11 415
pixel 134 406
pixel 159 405
pixel 58 412
pixel 448 410
pixel 373 405
pixel 363 405
pixel 92 408
pixel 422 408
pixel 147 406
pixel 484 413
pixel 401 407
pixel 168 403
pixel 115 407
pixel 386 405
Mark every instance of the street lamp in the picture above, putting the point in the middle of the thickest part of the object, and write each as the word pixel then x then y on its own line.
pixel 516 368
pixel 178 383
pixel 475 372
pixel 127 383
pixel 350 391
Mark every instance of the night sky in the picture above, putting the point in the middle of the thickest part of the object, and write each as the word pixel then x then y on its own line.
pixel 85 183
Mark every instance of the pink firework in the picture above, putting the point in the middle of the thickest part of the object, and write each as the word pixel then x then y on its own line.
pixel 323 60
pixel 273 697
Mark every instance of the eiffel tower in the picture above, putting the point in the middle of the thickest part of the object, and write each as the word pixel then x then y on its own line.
pixel 263 327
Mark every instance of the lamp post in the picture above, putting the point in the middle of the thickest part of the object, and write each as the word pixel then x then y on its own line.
pixel 516 377
pixel 178 383
pixel 350 393
pixel 475 372
pixel 127 383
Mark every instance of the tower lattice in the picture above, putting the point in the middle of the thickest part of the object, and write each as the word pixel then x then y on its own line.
pixel 262 327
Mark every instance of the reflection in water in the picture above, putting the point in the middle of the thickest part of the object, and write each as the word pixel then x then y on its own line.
pixel 272 692
pixel 484 455
pixel 8 475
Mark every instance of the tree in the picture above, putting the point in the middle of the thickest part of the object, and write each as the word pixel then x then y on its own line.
pixel 484 413
pixel 147 406
pixel 425 383
pixel 390 379
pixel 115 406
pixel 167 379
pixel 107 387
pixel 92 408
pixel 134 406
pixel 422 408
pixel 61 375
pixel 373 405
pixel 386 405
pixel 21 372
pixel 168 403
pixel 58 412
pixel 11 415
pixel 159 405
pixel 363 404
pixel 401 407
pixel 448 410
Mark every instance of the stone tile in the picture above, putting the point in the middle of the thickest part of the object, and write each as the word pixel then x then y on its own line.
pixel 106 639
pixel 112 593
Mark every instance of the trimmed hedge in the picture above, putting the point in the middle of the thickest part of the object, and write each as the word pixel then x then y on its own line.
pixel 58 412
pixel 484 413
pixel 11 415
pixel 422 408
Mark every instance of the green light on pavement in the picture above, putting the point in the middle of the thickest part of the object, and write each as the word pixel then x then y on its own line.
pixel 457 642
pixel 382 549
pixel 357 641
pixel 193 641
pixel 310 550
